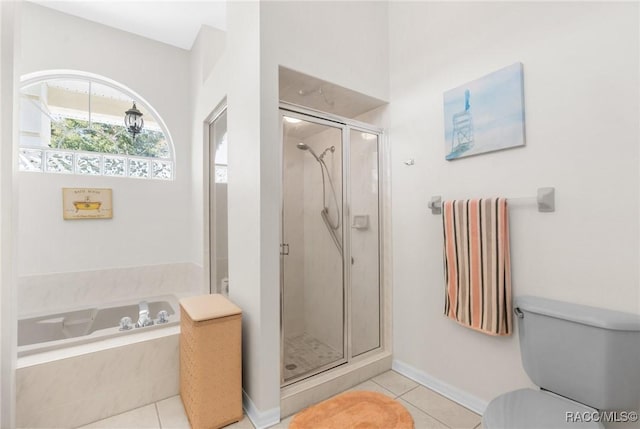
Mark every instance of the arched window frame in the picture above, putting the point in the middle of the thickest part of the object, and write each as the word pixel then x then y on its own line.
pixel 41 76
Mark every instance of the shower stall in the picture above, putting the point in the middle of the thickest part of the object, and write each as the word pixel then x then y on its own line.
pixel 330 249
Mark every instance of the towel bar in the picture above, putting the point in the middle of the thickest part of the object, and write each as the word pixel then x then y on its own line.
pixel 546 200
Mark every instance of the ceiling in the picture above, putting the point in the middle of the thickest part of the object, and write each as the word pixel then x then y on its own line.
pixel 175 23
pixel 317 94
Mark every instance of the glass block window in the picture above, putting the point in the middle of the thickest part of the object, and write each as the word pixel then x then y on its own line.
pixel 138 168
pixel 74 124
pixel 88 164
pixel 162 170
pixel 30 160
pixel 115 166
pixel 221 174
pixel 59 162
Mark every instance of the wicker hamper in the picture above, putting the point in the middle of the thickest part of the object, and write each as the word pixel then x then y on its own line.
pixel 210 361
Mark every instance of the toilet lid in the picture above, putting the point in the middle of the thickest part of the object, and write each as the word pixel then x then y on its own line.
pixel 536 409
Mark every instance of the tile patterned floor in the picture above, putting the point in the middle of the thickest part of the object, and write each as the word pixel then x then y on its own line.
pixel 429 409
pixel 305 353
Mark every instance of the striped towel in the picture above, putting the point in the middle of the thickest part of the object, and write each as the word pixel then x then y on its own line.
pixel 476 264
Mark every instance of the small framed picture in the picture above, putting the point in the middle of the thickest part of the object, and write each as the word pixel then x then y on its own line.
pixel 86 203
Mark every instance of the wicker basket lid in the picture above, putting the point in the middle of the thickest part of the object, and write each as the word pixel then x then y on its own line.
pixel 207 307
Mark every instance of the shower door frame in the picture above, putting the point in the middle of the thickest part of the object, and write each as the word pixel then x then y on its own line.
pixel 345 125
pixel 210 261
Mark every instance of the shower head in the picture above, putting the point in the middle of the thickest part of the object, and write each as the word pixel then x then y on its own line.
pixel 304 146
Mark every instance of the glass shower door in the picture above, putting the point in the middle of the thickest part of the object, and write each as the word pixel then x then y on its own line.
pixel 312 290
pixel 364 235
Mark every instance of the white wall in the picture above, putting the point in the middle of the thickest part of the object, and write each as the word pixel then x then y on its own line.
pixel 208 88
pixel 152 222
pixel 9 46
pixel 228 65
pixel 581 82
pixel 343 42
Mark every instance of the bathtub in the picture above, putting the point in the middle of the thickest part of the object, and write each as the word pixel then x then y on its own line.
pixel 77 367
pixel 46 332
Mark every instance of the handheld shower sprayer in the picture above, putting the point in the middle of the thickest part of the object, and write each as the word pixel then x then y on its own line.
pixel 304 146
pixel 332 226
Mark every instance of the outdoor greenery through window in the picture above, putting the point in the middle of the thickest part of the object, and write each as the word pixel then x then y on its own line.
pixel 75 126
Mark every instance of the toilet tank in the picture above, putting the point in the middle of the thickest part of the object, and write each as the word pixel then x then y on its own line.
pixel 587 354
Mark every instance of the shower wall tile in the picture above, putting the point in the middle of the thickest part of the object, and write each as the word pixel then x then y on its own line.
pixel 79 390
pixel 323 284
pixel 61 291
pixel 294 262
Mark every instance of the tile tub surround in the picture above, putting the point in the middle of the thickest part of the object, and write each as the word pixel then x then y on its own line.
pixel 77 390
pixel 60 291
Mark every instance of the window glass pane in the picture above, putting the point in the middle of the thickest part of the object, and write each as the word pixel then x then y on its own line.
pixel 30 140
pixel 150 143
pixel 66 98
pixel 221 150
pixel 76 114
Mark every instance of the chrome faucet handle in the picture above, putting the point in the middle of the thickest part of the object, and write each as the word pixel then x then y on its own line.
pixel 163 317
pixel 126 323
pixel 143 308
pixel 144 320
pixel 143 315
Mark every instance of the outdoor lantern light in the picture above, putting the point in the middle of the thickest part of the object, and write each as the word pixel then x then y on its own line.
pixel 133 121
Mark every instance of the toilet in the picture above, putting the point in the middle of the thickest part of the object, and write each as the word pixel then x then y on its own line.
pixel 584 359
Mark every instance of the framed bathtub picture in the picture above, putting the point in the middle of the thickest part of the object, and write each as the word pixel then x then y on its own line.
pixel 86 203
pixel 485 115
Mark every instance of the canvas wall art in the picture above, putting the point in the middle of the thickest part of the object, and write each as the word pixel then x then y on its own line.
pixel 486 114
pixel 86 203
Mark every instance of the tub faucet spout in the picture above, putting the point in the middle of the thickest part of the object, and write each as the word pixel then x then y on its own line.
pixel 143 315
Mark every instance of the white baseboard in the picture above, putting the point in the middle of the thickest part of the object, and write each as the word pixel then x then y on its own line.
pixel 461 397
pixel 260 419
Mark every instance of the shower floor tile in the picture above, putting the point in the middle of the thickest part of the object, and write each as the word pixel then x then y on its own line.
pixel 305 353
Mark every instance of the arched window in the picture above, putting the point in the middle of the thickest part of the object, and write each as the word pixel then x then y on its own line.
pixel 74 123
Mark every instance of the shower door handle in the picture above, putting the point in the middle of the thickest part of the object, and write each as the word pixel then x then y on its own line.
pixel 284 249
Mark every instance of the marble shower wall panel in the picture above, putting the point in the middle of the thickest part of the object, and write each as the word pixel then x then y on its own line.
pixel 323 275
pixel 61 291
pixel 294 235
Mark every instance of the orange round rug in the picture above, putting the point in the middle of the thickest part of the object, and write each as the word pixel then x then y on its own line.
pixel 354 410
